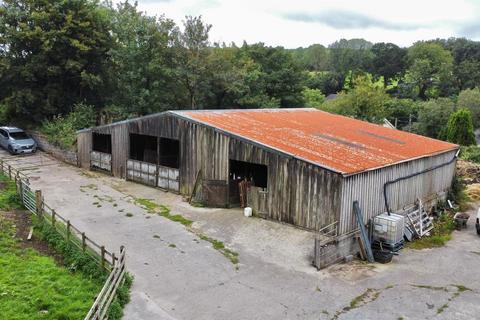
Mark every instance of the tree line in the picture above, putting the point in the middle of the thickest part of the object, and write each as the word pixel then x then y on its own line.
pixel 82 62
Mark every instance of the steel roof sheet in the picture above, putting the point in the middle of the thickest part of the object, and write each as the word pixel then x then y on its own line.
pixel 335 142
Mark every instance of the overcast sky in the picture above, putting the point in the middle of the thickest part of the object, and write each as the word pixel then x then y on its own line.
pixel 298 23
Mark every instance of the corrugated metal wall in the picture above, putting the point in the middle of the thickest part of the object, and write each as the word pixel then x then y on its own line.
pixel 367 187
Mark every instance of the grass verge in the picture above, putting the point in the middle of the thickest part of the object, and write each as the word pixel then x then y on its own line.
pixel 164 211
pixel 220 246
pixel 34 286
pixel 76 260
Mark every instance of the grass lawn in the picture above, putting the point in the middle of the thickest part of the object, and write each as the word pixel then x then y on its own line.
pixel 33 285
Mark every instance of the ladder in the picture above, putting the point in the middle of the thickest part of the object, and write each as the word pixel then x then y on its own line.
pixel 420 222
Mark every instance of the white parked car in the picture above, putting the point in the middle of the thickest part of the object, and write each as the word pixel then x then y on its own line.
pixel 16 141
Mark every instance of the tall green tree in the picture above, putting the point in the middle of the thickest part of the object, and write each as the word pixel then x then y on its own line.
pixel 54 54
pixel 366 101
pixel 142 72
pixel 389 61
pixel 470 99
pixel 227 77
pixel 276 71
pixel 460 128
pixel 430 69
pixel 433 116
pixel 313 58
pixel 192 48
pixel 466 59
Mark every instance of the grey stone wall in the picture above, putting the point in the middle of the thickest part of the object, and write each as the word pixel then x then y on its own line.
pixel 62 155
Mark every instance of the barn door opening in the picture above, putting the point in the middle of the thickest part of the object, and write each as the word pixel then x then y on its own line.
pixel 101 155
pixel 169 164
pixel 143 158
pixel 242 176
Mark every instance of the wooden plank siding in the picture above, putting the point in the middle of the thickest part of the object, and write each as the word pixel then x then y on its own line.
pixel 298 192
pixel 367 187
pixel 84 147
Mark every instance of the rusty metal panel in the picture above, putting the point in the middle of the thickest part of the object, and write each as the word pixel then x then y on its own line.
pixel 334 142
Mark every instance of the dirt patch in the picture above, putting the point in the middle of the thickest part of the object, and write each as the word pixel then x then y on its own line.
pixel 3 185
pixel 473 191
pixel 23 221
pixel 469 171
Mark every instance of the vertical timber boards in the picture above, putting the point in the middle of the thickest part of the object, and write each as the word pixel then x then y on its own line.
pixel 84 147
pixel 298 193
pixel 120 146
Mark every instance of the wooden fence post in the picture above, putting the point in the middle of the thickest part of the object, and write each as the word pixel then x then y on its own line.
pixel 53 218
pixel 38 203
pixel 68 230
pixel 102 248
pixel 83 241
pixel 20 186
pixel 113 259
pixel 10 172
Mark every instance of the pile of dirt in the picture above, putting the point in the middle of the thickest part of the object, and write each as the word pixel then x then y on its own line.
pixel 469 171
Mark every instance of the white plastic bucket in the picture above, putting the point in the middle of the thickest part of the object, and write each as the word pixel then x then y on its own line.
pixel 247 212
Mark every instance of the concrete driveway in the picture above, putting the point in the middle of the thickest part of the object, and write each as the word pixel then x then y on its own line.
pixel 180 276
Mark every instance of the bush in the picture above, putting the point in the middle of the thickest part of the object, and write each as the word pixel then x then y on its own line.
pixel 460 128
pixel 61 131
pixel 458 194
pixel 470 153
pixel 73 258
pixel 313 97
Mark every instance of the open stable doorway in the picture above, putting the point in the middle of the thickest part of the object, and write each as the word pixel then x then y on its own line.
pixel 255 175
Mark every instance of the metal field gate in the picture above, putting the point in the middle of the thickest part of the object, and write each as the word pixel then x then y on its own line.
pixel 28 197
pixel 101 161
pixel 168 178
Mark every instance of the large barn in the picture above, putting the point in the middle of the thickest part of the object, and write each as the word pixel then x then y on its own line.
pixel 303 166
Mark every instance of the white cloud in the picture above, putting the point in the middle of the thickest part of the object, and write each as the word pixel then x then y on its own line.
pixel 303 22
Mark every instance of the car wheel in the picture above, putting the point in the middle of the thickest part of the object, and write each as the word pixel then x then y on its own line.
pixel 10 150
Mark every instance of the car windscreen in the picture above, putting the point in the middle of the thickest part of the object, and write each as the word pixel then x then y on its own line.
pixel 20 135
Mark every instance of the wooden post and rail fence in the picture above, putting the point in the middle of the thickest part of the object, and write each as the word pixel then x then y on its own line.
pixel 34 202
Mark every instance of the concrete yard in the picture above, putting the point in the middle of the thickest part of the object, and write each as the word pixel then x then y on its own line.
pixel 180 276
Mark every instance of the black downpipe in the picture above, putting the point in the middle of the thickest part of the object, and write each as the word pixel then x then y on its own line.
pixel 411 176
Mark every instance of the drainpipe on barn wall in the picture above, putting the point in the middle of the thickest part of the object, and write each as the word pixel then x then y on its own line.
pixel 385 196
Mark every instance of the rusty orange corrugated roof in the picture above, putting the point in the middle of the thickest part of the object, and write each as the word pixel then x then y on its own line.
pixel 338 143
